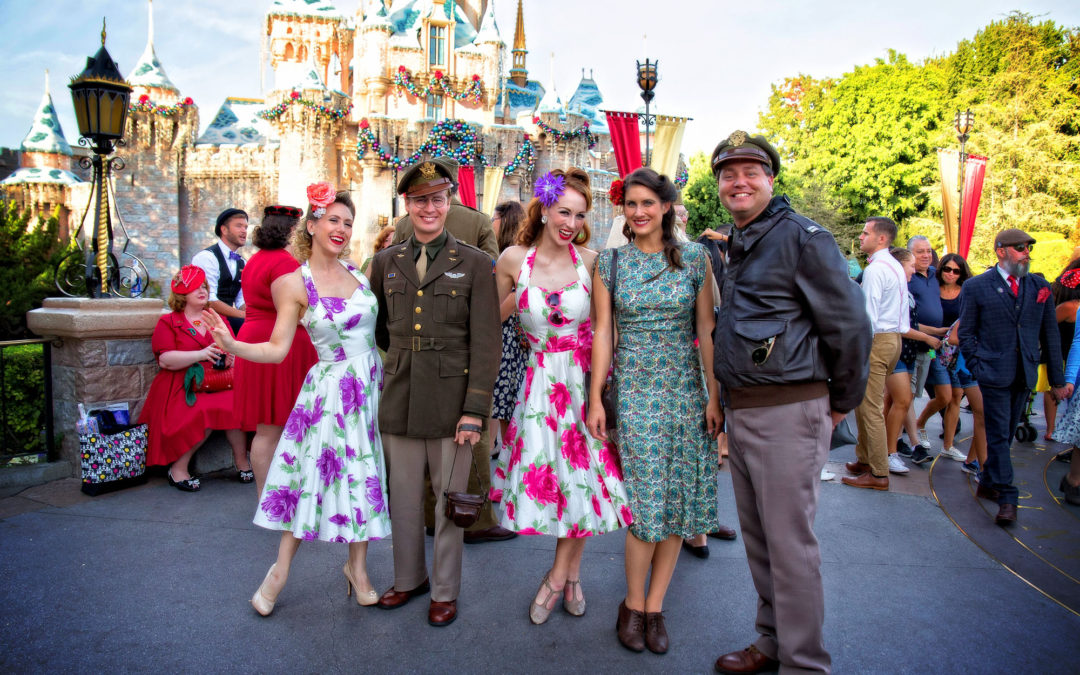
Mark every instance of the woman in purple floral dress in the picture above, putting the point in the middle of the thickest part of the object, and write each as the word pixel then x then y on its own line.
pixel 553 478
pixel 327 480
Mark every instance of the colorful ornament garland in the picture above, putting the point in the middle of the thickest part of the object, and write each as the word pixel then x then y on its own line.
pixel 439 143
pixel 682 177
pixel 144 104
pixel 320 110
pixel 440 85
pixel 557 135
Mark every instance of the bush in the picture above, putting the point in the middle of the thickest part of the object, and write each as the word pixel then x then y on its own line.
pixel 24 399
pixel 28 259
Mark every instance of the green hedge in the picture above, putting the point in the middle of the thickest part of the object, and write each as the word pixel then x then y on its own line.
pixel 24 399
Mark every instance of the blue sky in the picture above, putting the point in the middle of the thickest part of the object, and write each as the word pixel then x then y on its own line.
pixel 717 58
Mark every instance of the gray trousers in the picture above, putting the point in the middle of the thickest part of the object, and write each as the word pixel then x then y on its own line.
pixel 776 457
pixel 406 459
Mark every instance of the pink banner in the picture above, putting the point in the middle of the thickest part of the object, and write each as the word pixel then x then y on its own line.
pixel 974 173
pixel 467 186
pixel 625 140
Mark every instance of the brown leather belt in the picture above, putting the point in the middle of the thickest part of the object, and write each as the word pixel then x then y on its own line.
pixel 420 344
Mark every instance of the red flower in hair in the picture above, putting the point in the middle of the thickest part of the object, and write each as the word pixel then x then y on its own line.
pixel 615 192
pixel 1070 279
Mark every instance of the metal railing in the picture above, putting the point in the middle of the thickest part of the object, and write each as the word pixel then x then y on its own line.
pixel 16 447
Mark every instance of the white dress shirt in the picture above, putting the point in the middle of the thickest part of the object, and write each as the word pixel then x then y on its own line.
pixel 885 289
pixel 209 264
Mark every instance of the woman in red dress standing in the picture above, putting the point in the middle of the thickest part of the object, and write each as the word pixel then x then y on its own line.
pixel 178 428
pixel 266 392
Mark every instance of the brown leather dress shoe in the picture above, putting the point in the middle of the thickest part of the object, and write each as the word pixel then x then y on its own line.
pixel 867 480
pixel 393 598
pixel 442 613
pixel 1006 514
pixel 984 492
pixel 656 638
pixel 857 468
pixel 748 660
pixel 631 628
pixel 490 534
pixel 724 532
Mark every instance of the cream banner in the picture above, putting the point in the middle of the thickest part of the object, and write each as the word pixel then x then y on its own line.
pixel 493 178
pixel 949 167
pixel 667 144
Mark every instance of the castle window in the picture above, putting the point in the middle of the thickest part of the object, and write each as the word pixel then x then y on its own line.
pixel 437 46
pixel 289 51
pixel 434 107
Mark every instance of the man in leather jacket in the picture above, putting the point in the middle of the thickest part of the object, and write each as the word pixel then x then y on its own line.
pixel 792 348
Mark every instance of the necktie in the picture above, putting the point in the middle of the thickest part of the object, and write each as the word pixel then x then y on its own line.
pixel 421 263
pixel 1015 287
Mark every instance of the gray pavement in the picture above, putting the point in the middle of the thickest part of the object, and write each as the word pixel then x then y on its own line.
pixel 152 578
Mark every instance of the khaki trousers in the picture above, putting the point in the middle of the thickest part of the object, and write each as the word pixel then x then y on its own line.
pixel 482 456
pixel 776 457
pixel 406 460
pixel 872 447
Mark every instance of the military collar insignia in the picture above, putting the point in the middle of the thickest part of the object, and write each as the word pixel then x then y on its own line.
pixel 737 138
pixel 428 172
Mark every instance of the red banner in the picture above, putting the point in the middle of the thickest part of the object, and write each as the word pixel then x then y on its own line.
pixel 625 140
pixel 467 186
pixel 974 173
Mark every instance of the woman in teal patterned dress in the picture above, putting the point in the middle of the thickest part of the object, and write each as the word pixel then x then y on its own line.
pixel 666 419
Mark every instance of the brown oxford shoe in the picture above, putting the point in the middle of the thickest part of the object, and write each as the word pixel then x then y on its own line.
pixel 857 468
pixel 630 628
pixel 724 532
pixel 1006 514
pixel 867 480
pixel 442 613
pixel 656 638
pixel 983 492
pixel 490 534
pixel 393 598
pixel 748 660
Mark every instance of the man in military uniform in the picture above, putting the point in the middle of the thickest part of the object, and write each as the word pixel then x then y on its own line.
pixel 439 324
pixel 792 343
pixel 468 226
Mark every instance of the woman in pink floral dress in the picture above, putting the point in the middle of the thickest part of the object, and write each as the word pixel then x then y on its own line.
pixel 552 477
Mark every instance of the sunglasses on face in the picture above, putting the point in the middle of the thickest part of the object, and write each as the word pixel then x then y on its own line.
pixel 1020 248
pixel 761 354
pixel 950 270
pixel 554 301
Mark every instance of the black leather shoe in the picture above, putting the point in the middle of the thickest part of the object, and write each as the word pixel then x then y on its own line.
pixel 698 551
pixel 1006 514
pixel 1072 494
pixel 983 492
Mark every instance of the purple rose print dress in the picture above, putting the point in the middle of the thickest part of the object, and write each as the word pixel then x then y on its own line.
pixel 328 478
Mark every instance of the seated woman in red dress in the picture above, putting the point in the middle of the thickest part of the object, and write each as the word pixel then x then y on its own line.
pixel 266 392
pixel 177 428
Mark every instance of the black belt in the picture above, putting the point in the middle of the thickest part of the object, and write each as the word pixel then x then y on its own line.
pixel 419 344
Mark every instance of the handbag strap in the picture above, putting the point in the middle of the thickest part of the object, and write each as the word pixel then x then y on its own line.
pixel 476 472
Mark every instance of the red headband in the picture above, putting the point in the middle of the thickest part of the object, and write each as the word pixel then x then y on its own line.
pixel 188 279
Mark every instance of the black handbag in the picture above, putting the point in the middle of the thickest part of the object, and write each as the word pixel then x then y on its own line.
pixel 463 508
pixel 609 395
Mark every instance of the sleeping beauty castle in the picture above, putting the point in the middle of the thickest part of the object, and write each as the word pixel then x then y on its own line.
pixel 352 99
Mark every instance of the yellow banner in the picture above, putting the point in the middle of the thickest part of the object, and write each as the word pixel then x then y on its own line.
pixel 949 167
pixel 667 144
pixel 493 178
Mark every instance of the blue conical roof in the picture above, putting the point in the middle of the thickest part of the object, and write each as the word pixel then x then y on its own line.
pixel 45 134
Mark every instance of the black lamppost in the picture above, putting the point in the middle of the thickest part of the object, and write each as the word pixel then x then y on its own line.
pixel 964 123
pixel 646 80
pixel 101 95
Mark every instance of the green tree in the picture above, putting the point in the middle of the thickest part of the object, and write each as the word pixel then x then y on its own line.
pixel 702 200
pixel 29 255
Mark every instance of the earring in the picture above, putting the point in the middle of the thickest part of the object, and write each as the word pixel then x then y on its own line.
pixel 543 220
pixel 580 238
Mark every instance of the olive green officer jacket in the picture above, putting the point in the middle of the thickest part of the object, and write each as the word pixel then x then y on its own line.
pixel 468 226
pixel 442 338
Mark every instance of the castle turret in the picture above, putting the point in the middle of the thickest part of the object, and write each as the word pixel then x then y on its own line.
pixel 518 73
pixel 371 81
pixel 148 78
pixel 302 31
pixel 490 43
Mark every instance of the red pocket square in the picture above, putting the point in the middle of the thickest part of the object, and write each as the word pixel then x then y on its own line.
pixel 1044 294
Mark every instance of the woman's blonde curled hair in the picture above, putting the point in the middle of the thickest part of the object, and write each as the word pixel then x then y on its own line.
pixel 301 240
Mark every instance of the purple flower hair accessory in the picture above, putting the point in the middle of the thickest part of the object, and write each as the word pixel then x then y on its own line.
pixel 549 188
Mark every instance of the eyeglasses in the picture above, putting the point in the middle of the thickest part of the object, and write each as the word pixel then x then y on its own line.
pixel 950 270
pixel 761 354
pixel 554 301
pixel 1020 248
pixel 437 201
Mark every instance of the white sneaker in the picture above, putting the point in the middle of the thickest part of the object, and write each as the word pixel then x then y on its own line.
pixel 827 475
pixel 924 439
pixel 896 465
pixel 954 454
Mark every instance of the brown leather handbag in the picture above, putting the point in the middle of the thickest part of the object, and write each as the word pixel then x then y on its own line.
pixel 463 508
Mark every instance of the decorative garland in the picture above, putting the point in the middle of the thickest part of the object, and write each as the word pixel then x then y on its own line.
pixel 320 110
pixel 438 83
pixel 682 177
pixel 145 105
pixel 439 144
pixel 582 131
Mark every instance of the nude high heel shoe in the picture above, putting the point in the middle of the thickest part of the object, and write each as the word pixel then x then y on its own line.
pixel 262 602
pixel 363 598
pixel 574 607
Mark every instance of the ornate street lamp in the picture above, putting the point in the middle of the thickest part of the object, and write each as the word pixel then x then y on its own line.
pixel 963 123
pixel 101 95
pixel 646 80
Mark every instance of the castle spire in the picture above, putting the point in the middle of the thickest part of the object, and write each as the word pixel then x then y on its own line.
pixel 148 76
pixel 45 134
pixel 489 30
pixel 518 73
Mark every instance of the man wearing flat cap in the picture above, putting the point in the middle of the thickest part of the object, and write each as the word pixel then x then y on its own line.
pixel 792 343
pixel 223 265
pixel 1006 318
pixel 439 324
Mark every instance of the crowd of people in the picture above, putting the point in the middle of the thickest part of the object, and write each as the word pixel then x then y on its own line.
pixel 607 386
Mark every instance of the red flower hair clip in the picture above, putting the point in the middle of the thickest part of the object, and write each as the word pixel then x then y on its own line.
pixel 1070 279
pixel 615 192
